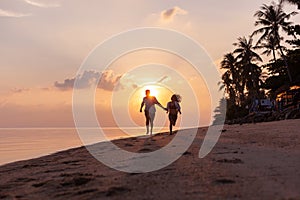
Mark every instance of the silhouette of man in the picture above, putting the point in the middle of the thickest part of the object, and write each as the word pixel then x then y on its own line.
pixel 149 102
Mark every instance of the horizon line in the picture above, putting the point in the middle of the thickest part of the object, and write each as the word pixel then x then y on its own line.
pixel 106 127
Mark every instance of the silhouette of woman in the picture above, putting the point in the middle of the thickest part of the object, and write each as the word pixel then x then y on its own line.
pixel 173 108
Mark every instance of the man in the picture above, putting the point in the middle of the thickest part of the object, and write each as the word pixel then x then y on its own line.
pixel 149 102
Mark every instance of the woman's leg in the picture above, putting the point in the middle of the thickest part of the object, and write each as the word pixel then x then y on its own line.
pixel 172 119
pixel 171 123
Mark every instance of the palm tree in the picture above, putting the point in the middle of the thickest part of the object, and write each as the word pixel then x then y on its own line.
pixel 249 71
pixel 229 78
pixel 269 46
pixel 227 83
pixel 272 19
pixel 244 51
pixel 229 62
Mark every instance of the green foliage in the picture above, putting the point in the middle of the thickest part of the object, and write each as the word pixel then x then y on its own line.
pixel 294 31
pixel 294 61
pixel 242 78
pixel 235 111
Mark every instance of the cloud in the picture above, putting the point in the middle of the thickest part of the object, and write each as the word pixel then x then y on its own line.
pixel 129 82
pixel 66 85
pixel 84 81
pixel 6 13
pixel 134 86
pixel 169 14
pixel 164 79
pixel 108 81
pixel 42 5
pixel 19 90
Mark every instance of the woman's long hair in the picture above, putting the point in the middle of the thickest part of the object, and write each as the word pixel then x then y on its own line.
pixel 176 97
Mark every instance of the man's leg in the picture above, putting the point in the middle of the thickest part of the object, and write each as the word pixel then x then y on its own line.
pixel 152 116
pixel 147 120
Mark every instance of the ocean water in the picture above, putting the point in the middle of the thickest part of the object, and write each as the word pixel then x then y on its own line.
pixel 25 143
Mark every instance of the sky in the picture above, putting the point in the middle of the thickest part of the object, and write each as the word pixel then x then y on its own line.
pixel 44 43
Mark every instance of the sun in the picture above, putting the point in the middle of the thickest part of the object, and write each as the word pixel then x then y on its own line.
pixel 163 95
pixel 154 90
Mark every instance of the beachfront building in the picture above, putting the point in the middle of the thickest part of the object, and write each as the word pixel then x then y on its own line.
pixel 288 98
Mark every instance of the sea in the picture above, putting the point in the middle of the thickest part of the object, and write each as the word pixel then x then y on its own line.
pixel 25 143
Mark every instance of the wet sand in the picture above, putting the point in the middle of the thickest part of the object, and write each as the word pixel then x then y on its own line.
pixel 250 161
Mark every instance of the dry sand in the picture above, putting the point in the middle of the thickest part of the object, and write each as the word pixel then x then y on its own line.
pixel 250 161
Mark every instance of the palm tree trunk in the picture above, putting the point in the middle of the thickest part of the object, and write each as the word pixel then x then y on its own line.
pixel 284 59
pixel 274 55
pixel 286 63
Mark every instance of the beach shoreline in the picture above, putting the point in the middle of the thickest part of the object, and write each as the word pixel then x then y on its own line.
pixel 261 159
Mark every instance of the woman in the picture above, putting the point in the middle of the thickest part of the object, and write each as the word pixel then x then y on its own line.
pixel 173 108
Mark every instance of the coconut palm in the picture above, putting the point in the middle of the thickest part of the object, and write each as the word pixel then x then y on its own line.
pixel 272 19
pixel 245 51
pixel 269 46
pixel 229 62
pixel 249 71
pixel 229 78
pixel 227 83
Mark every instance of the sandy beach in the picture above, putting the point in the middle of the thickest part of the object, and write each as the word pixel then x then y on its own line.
pixel 250 161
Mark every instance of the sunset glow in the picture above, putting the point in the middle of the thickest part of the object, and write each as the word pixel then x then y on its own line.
pixel 39 62
pixel 154 90
pixel 162 94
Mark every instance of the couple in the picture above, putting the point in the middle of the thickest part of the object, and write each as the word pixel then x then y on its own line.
pixel 173 108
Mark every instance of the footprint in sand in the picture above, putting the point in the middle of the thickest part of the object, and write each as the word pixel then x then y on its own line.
pixel 224 181
pixel 144 150
pixel 77 181
pixel 234 161
pixel 116 191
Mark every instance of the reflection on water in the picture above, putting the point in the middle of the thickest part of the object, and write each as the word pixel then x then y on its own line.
pixel 20 144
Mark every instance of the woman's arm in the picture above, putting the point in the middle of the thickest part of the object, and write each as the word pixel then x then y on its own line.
pixel 178 107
